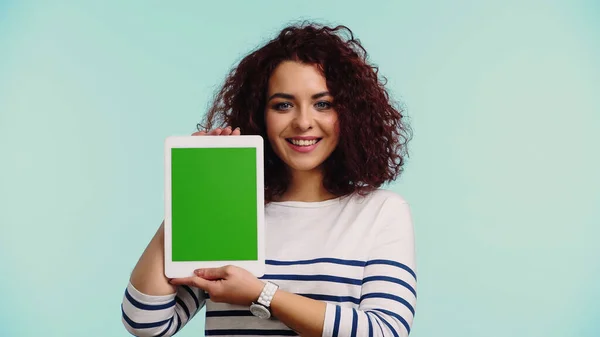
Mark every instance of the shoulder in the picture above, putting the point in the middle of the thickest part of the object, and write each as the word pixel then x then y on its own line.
pixel 382 206
pixel 380 199
pixel 387 208
pixel 387 196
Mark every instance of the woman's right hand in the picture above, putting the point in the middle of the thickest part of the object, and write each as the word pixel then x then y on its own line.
pixel 219 132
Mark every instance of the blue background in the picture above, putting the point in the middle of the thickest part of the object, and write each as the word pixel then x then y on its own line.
pixel 502 179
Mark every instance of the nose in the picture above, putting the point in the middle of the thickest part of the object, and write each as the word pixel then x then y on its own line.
pixel 303 119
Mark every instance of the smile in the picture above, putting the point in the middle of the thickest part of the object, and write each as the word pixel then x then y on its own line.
pixel 303 145
pixel 303 142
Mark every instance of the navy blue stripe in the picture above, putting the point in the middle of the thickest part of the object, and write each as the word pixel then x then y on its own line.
pixel 389 297
pixel 388 324
pixel 392 280
pixel 396 316
pixel 178 322
pixel 376 321
pixel 167 329
pixel 250 332
pixel 325 278
pixel 332 298
pixel 189 290
pixel 393 263
pixel 354 323
pixel 355 263
pixel 336 323
pixel 185 308
pixel 136 325
pixel 228 313
pixel 148 306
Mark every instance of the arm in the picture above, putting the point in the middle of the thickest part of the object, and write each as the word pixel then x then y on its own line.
pixel 301 314
pixel 388 299
pixel 151 305
pixel 148 276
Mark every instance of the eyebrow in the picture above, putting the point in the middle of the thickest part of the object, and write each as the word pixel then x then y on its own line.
pixel 289 96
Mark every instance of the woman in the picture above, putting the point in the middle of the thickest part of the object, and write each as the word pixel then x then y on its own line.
pixel 340 251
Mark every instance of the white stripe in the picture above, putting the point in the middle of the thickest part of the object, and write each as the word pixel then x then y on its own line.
pixel 321 268
pixel 345 322
pixel 329 320
pixel 148 299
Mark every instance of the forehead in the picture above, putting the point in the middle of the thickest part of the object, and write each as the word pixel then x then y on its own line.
pixel 296 78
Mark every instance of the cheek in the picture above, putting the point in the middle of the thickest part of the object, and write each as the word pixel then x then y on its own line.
pixel 268 123
pixel 273 126
pixel 333 126
pixel 335 131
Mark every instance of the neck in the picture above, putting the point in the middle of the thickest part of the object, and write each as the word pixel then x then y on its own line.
pixel 306 186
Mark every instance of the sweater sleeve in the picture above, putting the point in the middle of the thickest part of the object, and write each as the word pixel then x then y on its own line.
pixel 159 316
pixel 388 293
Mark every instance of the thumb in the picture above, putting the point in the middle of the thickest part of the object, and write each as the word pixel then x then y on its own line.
pixel 211 273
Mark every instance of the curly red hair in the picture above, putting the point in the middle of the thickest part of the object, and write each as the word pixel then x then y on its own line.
pixel 373 132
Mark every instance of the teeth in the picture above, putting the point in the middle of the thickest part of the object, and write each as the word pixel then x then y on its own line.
pixel 303 142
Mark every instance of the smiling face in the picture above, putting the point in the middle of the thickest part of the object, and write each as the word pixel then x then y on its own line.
pixel 301 123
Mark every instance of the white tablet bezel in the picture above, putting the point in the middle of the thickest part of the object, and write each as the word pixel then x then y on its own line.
pixel 174 269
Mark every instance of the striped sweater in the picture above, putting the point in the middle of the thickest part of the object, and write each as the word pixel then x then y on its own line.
pixel 354 253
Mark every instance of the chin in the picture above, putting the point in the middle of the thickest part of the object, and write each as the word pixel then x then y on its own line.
pixel 304 168
pixel 304 165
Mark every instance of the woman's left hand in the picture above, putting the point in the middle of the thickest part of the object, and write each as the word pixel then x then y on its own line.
pixel 229 284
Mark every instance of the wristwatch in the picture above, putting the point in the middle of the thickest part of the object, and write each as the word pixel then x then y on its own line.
pixel 262 307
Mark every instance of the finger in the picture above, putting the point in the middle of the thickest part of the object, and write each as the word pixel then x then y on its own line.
pixel 211 273
pixel 226 131
pixel 236 132
pixel 199 133
pixel 193 281
pixel 188 281
pixel 216 132
pixel 203 284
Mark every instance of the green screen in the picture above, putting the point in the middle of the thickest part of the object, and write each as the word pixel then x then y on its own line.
pixel 213 204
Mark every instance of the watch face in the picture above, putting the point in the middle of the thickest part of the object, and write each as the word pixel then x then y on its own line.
pixel 260 311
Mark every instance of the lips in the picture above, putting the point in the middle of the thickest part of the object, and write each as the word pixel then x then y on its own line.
pixel 303 144
pixel 303 141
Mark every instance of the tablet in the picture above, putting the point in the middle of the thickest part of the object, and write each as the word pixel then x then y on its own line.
pixel 214 204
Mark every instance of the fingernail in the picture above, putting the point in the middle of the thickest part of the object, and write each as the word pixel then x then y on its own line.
pixel 238 128
pixel 199 271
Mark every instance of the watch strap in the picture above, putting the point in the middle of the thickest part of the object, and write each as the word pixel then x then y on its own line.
pixel 266 296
